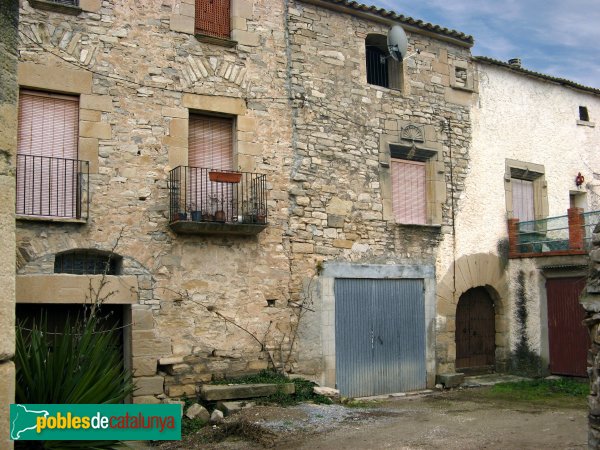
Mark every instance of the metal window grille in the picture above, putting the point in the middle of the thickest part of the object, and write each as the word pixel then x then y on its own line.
pixel 377 67
pixel 409 198
pixel 86 262
pixel 66 2
pixel 213 18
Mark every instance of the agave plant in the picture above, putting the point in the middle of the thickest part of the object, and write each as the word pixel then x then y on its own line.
pixel 80 364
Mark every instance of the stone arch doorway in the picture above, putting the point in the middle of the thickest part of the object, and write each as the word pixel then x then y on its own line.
pixel 475 331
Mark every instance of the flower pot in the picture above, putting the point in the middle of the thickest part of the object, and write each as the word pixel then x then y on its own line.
pixel 225 177
pixel 180 216
pixel 220 216
pixel 196 216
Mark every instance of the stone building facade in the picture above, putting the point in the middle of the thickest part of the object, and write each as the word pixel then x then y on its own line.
pixel 526 126
pixel 339 136
pixel 292 78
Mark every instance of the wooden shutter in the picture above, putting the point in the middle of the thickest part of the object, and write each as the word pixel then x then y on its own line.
pixel 47 165
pixel 210 148
pixel 213 18
pixel 409 196
pixel 522 197
pixel 210 142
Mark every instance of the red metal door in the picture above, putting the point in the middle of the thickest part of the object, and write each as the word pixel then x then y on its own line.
pixel 475 330
pixel 569 339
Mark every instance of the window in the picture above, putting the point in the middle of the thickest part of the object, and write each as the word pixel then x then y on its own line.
pixel 526 194
pixel 382 69
pixel 213 18
pixel 522 193
pixel 87 262
pixel 47 166
pixel 408 191
pixel 211 142
pixel 583 114
pixel 210 149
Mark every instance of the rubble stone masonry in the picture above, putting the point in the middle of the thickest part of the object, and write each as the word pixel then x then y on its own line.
pixel 294 78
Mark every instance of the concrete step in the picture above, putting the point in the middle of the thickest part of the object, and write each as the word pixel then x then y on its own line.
pixel 228 408
pixel 238 391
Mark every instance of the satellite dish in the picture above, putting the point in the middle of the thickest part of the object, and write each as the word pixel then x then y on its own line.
pixel 397 43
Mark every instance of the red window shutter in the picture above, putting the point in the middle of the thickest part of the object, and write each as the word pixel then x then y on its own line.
pixel 409 198
pixel 522 194
pixel 47 168
pixel 213 17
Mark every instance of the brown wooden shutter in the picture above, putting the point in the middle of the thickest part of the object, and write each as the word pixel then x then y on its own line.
pixel 210 142
pixel 47 166
pixel 213 17
pixel 522 196
pixel 409 197
pixel 210 148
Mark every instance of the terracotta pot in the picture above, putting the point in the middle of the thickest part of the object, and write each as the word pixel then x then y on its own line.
pixel 220 216
pixel 225 177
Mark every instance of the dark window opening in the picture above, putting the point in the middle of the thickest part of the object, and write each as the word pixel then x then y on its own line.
pixel 377 69
pixel 583 114
pixel 87 262
pixel 382 69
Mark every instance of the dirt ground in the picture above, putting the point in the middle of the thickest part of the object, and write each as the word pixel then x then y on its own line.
pixel 463 419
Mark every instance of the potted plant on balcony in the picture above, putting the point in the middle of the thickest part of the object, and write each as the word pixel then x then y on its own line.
pixel 195 212
pixel 224 176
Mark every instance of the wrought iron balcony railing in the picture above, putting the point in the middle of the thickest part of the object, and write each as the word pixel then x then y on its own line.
pixel 53 188
pixel 562 235
pixel 217 201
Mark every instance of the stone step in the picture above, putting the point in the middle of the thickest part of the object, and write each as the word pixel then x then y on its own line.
pixel 228 408
pixel 237 391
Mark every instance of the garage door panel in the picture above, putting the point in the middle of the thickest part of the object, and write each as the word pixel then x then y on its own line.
pixel 353 341
pixel 384 320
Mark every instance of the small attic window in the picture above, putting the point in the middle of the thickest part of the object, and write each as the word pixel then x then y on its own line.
pixel 583 114
pixel 382 69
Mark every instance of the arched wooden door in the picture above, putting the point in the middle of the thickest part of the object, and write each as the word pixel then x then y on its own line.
pixel 475 331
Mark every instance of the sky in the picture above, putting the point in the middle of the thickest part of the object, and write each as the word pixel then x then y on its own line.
pixel 560 38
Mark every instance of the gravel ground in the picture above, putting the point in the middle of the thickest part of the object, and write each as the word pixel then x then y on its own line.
pixel 442 420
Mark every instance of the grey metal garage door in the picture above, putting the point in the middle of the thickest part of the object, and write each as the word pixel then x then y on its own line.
pixel 379 336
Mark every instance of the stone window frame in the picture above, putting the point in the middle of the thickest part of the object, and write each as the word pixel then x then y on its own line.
pixel 92 107
pixel 394 83
pixel 183 20
pixel 536 173
pixel 435 181
pixel 245 149
pixel 73 10
pixel 469 83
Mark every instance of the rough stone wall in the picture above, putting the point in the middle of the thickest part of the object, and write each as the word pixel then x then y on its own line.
pixel 8 145
pixel 591 303
pixel 338 206
pixel 144 79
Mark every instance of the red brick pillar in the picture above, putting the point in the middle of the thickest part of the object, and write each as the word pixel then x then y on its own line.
pixel 513 237
pixel 576 228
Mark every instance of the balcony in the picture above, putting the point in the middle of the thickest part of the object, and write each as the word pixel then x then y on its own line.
pixel 50 188
pixel 208 201
pixel 553 236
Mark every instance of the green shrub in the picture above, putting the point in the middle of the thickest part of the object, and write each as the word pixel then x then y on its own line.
pixel 80 364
